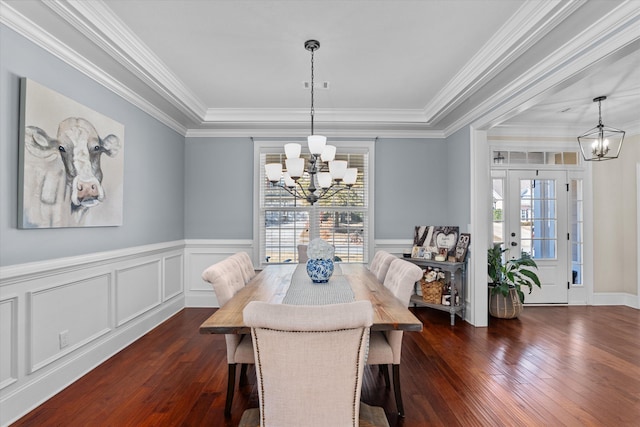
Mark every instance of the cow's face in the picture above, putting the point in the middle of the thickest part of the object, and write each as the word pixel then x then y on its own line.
pixel 80 149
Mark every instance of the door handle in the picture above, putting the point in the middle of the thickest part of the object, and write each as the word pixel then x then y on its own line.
pixel 514 244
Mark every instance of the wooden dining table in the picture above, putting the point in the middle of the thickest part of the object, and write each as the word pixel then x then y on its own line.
pixel 272 284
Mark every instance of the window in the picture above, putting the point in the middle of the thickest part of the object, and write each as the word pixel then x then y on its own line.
pixel 498 210
pixel 536 157
pixel 343 220
pixel 577 226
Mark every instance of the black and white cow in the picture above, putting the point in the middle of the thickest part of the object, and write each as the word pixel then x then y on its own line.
pixel 74 153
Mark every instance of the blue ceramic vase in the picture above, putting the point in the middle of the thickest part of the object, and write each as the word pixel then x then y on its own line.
pixel 319 270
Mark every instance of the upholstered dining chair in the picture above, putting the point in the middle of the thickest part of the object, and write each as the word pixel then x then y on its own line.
pixel 227 279
pixel 309 363
pixel 380 264
pixel 385 347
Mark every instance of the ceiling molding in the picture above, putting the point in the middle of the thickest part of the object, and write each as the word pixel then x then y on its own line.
pixel 27 28
pixel 611 33
pixel 287 132
pixel 530 23
pixel 96 21
pixel 321 115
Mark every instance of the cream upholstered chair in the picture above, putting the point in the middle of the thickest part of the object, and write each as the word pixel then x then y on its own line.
pixel 227 278
pixel 246 265
pixel 385 347
pixel 309 363
pixel 380 264
pixel 302 254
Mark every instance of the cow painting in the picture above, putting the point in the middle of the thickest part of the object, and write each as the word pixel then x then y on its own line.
pixel 62 175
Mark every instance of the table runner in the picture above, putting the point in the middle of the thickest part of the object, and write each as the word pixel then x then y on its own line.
pixel 303 291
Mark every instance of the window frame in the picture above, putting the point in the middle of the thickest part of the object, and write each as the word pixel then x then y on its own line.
pixel 277 146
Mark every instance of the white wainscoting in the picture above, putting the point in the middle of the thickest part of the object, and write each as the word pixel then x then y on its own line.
pixel 200 254
pixel 100 303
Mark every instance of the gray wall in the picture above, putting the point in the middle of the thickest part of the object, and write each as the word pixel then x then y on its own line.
pixel 459 178
pixel 219 188
pixel 410 186
pixel 154 163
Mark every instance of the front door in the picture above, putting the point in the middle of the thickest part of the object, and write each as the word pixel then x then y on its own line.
pixel 537 223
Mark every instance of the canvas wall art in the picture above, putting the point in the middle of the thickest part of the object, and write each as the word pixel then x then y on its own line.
pixel 71 162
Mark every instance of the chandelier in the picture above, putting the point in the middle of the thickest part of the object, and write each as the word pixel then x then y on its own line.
pixel 602 142
pixel 327 176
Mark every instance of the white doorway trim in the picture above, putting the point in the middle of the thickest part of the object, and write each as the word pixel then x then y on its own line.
pixel 480 200
pixel 637 301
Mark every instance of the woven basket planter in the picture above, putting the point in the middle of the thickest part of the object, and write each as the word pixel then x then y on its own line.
pixel 502 307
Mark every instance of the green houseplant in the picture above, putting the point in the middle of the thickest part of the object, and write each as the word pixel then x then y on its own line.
pixel 507 279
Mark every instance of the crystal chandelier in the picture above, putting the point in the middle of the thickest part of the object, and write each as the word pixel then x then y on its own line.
pixel 327 176
pixel 602 142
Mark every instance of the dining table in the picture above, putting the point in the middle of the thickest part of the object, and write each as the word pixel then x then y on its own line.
pixel 290 284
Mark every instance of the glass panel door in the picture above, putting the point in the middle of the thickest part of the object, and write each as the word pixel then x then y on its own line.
pixel 537 224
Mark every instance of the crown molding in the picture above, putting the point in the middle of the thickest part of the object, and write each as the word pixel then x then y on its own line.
pixel 321 115
pixel 28 29
pixel 610 34
pixel 96 21
pixel 531 22
pixel 362 132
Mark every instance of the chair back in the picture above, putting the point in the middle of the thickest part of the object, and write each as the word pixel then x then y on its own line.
pixel 302 254
pixel 246 265
pixel 380 264
pixel 309 362
pixel 401 278
pixel 226 278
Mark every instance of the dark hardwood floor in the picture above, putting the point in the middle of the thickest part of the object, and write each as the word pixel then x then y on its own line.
pixel 573 366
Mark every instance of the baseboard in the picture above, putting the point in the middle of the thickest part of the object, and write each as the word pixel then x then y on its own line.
pixel 617 298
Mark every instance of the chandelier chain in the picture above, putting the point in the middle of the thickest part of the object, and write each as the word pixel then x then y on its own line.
pixel 312 91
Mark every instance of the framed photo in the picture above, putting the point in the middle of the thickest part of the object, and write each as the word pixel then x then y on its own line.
pixel 427 255
pixel 415 251
pixel 462 247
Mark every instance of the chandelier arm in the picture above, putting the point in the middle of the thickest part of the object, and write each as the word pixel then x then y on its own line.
pixel 305 194
pixel 336 189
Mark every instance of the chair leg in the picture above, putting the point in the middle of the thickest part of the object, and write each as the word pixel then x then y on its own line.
pixel 231 381
pixel 243 374
pixel 396 390
pixel 385 371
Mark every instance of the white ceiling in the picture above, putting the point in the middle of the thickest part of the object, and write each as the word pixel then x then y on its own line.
pixel 394 67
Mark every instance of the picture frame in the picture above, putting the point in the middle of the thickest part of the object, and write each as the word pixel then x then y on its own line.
pixel 437 237
pixel 62 182
pixel 415 251
pixel 462 247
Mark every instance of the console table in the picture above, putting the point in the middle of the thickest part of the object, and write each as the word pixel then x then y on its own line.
pixel 457 272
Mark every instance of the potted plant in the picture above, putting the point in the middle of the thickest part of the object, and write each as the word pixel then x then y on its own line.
pixel 507 279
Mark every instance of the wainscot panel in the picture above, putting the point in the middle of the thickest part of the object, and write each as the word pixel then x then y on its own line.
pixel 58 324
pixel 200 254
pixel 138 290
pixel 173 273
pixel 63 317
pixel 8 340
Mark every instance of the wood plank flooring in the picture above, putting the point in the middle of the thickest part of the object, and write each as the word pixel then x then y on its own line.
pixel 572 366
